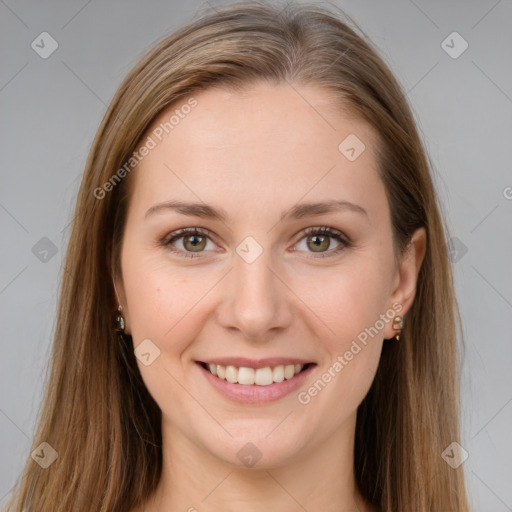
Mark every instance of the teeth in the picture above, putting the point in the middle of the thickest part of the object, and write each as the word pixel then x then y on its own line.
pixel 258 376
pixel 289 371
pixel 263 376
pixel 246 375
pixel 278 373
pixel 232 374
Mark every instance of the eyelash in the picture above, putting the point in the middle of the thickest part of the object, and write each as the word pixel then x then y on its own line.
pixel 324 230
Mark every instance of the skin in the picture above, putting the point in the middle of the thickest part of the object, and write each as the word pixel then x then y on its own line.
pixel 256 154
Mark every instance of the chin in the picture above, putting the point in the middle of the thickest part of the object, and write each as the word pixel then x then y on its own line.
pixel 258 451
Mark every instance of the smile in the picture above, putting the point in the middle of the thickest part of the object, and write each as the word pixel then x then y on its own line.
pixel 263 382
pixel 254 376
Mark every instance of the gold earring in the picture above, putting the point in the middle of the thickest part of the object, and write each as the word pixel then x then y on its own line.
pixel 398 324
pixel 119 320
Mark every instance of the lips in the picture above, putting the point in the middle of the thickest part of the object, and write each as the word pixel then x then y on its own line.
pixel 255 363
pixel 264 388
pixel 259 376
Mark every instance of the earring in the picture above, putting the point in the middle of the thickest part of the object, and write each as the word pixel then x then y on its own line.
pixel 398 324
pixel 119 320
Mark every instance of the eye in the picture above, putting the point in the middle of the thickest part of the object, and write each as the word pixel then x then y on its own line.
pixel 195 240
pixel 318 240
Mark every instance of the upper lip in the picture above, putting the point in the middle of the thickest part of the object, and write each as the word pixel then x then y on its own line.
pixel 255 363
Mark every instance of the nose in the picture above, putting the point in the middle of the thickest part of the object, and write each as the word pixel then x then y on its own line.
pixel 256 301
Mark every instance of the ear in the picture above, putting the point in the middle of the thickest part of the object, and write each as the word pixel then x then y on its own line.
pixel 406 277
pixel 121 300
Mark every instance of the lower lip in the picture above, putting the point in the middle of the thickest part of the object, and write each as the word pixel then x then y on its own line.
pixel 253 394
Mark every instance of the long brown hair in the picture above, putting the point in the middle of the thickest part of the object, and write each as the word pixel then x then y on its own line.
pixel 97 413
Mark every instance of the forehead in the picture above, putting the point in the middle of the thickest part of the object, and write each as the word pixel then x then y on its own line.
pixel 264 146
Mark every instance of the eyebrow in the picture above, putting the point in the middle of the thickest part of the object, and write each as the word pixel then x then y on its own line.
pixel 299 211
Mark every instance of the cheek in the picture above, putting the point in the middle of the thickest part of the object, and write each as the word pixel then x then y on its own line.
pixel 348 298
pixel 165 307
pixel 351 301
pixel 161 300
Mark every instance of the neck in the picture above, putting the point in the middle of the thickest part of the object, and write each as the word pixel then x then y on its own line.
pixel 318 479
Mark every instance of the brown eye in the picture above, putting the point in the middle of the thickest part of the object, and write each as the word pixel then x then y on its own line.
pixel 318 243
pixel 187 242
pixel 194 243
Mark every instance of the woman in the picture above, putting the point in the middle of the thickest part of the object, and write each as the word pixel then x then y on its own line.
pixel 258 309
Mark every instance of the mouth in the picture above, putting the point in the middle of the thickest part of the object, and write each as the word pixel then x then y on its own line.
pixel 257 383
pixel 248 376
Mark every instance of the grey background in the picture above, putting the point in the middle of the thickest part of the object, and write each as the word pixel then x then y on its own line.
pixel 51 109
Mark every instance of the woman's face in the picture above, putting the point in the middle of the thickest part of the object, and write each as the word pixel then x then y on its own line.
pixel 265 287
